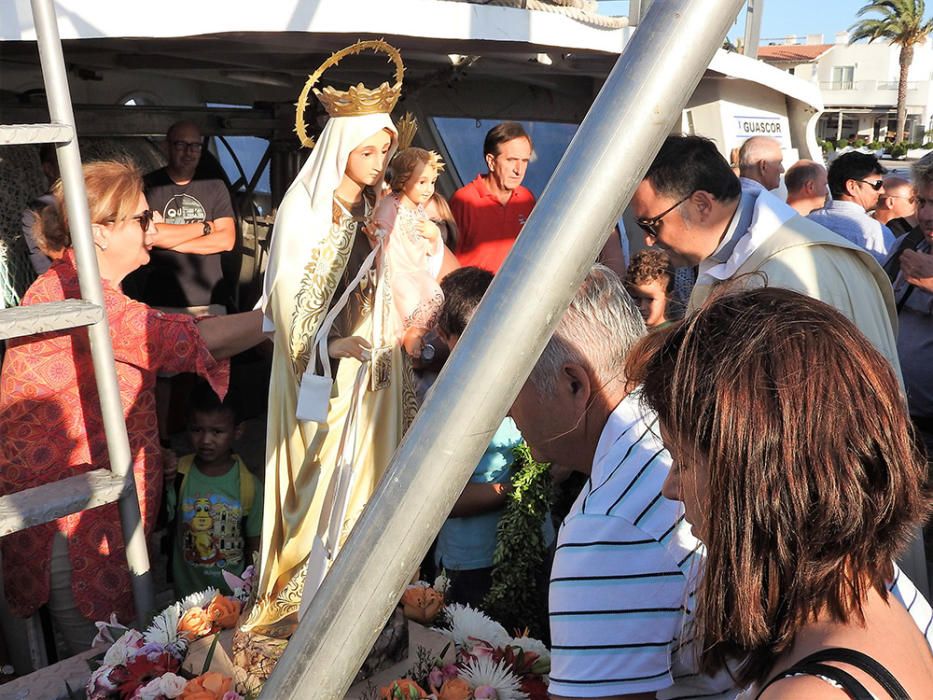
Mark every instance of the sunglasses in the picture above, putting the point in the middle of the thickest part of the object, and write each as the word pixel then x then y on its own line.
pixel 875 185
pixel 650 226
pixel 144 219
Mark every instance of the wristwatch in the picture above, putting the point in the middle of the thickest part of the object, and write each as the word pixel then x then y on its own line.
pixel 206 231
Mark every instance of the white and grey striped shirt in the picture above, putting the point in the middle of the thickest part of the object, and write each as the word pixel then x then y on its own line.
pixel 623 573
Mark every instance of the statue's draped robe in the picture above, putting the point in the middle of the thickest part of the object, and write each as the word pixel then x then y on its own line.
pixel 317 248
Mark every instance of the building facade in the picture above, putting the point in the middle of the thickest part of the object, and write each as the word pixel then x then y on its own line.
pixel 859 85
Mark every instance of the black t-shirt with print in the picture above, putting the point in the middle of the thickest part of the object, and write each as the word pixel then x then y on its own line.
pixel 182 279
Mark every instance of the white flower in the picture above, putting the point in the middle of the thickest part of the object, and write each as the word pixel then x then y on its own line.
pixel 535 646
pixel 441 584
pixel 151 691
pixel 484 671
pixel 123 648
pixel 468 626
pixel 164 627
pixel 197 600
pixel 172 685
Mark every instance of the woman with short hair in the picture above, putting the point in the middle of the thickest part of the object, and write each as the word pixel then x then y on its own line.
pixel 50 417
pixel 794 457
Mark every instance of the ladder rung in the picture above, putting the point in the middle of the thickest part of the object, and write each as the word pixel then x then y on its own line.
pixel 12 134
pixel 51 316
pixel 42 504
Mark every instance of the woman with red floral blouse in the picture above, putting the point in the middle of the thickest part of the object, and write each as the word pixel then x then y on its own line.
pixel 50 419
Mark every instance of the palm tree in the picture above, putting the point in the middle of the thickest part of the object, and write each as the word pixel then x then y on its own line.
pixel 901 23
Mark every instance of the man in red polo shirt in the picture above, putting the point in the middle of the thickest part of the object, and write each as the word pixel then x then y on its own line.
pixel 491 210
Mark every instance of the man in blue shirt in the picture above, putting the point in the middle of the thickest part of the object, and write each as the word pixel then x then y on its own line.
pixel 856 183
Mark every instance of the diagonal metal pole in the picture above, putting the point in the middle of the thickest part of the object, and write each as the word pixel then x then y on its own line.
pixel 638 106
pixel 118 446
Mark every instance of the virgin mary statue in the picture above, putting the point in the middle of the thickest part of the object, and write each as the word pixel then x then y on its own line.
pixel 326 445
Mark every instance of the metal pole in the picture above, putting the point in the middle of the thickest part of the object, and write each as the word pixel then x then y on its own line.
pixel 634 12
pixel 753 27
pixel 638 106
pixel 69 163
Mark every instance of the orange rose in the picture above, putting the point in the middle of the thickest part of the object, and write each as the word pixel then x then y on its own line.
pixel 455 689
pixel 402 688
pixel 421 604
pixel 223 612
pixel 210 686
pixel 194 624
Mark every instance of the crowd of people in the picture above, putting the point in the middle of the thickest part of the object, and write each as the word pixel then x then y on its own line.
pixel 752 453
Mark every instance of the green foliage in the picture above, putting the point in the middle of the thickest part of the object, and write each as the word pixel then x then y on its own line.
pixel 877 145
pixel 899 150
pixel 827 145
pixel 901 22
pixel 518 596
pixel 928 145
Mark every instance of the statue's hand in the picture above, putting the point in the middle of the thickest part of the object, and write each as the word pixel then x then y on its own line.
pixel 353 346
pixel 429 230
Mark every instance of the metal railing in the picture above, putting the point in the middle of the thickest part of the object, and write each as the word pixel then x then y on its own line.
pixel 50 501
pixel 865 85
pixel 606 160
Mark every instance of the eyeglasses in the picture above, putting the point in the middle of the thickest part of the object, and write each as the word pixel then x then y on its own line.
pixel 192 146
pixel 144 219
pixel 649 226
pixel 876 185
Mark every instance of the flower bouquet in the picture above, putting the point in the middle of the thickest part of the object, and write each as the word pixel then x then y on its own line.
pixel 486 664
pixel 151 665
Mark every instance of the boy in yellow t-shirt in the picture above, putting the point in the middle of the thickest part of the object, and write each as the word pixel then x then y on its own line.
pixel 218 517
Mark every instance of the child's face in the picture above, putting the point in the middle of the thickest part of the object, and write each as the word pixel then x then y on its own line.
pixel 651 298
pixel 212 433
pixel 420 186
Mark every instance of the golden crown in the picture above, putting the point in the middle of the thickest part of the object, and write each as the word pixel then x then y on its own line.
pixel 358 99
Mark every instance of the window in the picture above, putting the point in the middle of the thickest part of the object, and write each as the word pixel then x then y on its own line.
pixel 843 77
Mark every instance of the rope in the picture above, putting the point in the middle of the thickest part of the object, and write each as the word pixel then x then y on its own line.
pixel 580 10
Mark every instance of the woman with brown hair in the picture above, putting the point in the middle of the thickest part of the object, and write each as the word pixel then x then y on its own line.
pixel 794 458
pixel 50 417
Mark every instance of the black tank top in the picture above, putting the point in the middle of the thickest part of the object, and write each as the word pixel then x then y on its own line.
pixel 813 665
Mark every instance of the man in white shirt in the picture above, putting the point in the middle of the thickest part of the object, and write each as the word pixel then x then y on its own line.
pixel 760 163
pixel 623 573
pixel 856 183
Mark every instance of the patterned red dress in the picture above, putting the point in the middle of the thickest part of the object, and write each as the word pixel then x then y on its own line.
pixel 51 428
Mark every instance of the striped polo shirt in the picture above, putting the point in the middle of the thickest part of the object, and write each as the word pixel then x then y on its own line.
pixel 623 576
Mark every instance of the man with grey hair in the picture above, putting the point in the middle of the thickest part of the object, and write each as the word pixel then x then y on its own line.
pixel 913 292
pixel 760 163
pixel 621 577
pixel 897 207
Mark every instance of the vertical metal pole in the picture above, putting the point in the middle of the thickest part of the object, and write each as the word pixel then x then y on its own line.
pixel 605 162
pixel 634 12
pixel 753 27
pixel 69 163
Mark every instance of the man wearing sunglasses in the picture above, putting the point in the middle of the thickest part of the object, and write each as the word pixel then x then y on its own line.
pixel 185 274
pixel 856 183
pixel 690 203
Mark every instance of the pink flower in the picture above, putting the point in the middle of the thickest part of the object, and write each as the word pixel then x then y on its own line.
pixel 436 678
pixel 232 695
pixel 485 692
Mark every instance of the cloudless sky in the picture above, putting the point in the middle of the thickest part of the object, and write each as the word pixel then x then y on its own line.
pixel 781 18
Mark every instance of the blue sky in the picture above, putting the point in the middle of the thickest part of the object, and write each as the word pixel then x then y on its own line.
pixel 783 17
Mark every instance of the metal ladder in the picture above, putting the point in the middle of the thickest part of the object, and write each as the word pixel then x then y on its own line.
pixel 48 502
